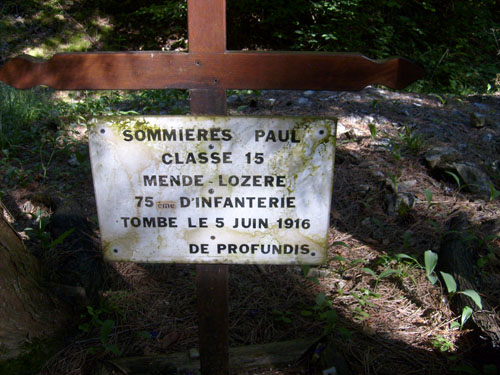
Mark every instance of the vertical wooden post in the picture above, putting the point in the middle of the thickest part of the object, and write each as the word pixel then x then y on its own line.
pixel 207 33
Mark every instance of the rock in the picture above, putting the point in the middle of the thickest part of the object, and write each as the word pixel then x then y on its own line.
pixel 303 101
pixel 406 185
pixel 362 189
pixel 482 106
pixel 455 112
pixel 269 102
pixel 233 99
pixel 368 120
pixel 438 157
pixel 478 120
pixel 474 179
pixel 383 144
pixel 404 203
pixel 308 92
pixel 73 161
pixel 488 137
pixel 341 129
pixel 399 204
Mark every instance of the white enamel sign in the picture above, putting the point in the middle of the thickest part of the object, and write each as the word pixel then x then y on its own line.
pixel 184 189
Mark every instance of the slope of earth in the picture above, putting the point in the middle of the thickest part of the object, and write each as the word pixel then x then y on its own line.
pixel 375 309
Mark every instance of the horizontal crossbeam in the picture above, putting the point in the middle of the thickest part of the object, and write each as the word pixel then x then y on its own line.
pixel 207 70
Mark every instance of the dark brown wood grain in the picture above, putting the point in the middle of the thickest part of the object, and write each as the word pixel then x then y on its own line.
pixel 207 34
pixel 207 70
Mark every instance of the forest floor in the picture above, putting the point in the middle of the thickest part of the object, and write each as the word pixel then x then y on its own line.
pixel 376 310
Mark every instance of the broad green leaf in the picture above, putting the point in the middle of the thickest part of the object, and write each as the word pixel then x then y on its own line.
pixel 405 256
pixel 305 270
pixel 430 261
pixel 455 177
pixel 373 130
pixel 449 280
pixel 387 273
pixel 428 196
pixel 466 314
pixel 320 299
pixel 474 296
pixel 306 312
pixel 432 278
pixel 59 240
pixel 369 271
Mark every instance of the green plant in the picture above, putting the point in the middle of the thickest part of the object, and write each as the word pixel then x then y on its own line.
pixel 486 243
pixel 322 310
pixel 104 327
pixel 428 197
pixel 282 316
pixel 414 141
pixel 385 273
pixel 494 193
pixel 373 130
pixel 457 180
pixel 442 343
pixel 41 234
pixel 364 300
pixel 430 261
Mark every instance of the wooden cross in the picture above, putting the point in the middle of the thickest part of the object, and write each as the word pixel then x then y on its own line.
pixel 207 70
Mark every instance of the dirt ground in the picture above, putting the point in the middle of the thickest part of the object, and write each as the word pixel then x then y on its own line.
pixel 380 325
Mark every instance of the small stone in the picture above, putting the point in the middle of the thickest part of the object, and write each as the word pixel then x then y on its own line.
pixel 481 106
pixel 341 129
pixel 362 188
pixel 488 137
pixel 269 102
pixel 474 179
pixel 233 99
pixel 404 203
pixel 383 144
pixel 404 186
pixel 478 120
pixel 303 101
pixel 438 156
pixel 73 161
pixel 368 120
pixel 308 92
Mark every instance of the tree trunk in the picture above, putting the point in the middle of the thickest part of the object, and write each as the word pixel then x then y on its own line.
pixel 456 258
pixel 27 310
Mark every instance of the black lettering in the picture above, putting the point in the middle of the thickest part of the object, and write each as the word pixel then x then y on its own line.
pixel 259 134
pixel 154 135
pixel 150 180
pixel 169 134
pixel 184 202
pixel 140 135
pixel 127 135
pixel 226 135
pixel 166 158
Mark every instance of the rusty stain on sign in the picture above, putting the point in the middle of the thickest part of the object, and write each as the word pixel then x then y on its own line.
pixel 197 189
